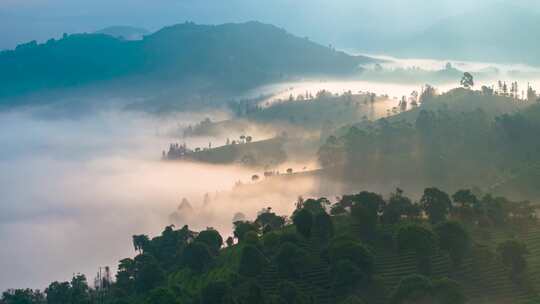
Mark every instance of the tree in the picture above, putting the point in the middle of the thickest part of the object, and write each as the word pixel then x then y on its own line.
pixel 467 81
pixel 58 293
pixel 140 242
pixel 315 206
pixel 148 273
pixel 22 296
pixel 512 254
pixel 487 91
pixel 467 205
pixel 212 239
pixel 531 94
pixel 398 206
pixel 373 201
pixel 428 93
pixel 230 242
pixel 197 256
pixel 268 218
pixel 243 227
pixel 419 239
pixel 343 248
pixel 303 220
pixel 80 292
pixel 436 204
pixel 454 239
pixel 125 276
pixel 252 261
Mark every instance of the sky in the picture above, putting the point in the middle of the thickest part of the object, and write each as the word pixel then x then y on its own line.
pixel 326 21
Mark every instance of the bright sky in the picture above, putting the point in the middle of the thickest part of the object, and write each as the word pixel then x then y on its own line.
pixel 327 21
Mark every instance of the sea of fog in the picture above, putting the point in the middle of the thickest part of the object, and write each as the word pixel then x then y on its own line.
pixel 74 189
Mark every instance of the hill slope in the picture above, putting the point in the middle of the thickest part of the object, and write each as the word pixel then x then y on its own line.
pixel 232 55
pixel 124 32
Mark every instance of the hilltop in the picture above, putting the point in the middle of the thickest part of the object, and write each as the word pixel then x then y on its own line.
pixel 124 32
pixel 192 57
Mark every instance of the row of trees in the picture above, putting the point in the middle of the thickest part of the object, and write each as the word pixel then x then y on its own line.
pixel 442 146
pixel 183 266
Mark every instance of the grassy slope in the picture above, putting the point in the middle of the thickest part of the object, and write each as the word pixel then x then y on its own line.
pixel 263 151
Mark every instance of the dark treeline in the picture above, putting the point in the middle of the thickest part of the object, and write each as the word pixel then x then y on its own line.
pixel 229 55
pixel 343 252
pixel 442 146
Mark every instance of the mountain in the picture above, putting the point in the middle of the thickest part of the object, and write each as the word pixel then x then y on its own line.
pixel 230 55
pixel 124 32
pixel 495 33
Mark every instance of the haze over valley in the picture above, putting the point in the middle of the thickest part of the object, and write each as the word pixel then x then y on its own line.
pixel 272 161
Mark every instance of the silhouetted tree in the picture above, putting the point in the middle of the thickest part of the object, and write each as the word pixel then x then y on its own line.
pixel 243 227
pixel 140 242
pixel 268 218
pixel 148 273
pixel 58 293
pixel 22 296
pixel 436 204
pixel 467 81
pixel 212 239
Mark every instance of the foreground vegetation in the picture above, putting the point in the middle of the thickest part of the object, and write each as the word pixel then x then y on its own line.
pixel 361 249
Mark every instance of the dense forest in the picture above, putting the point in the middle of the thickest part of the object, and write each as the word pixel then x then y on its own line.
pixel 215 55
pixel 460 138
pixel 362 248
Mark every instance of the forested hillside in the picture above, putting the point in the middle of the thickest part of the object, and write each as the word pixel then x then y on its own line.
pixel 460 138
pixel 469 247
pixel 231 55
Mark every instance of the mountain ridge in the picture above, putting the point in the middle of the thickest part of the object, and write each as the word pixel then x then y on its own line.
pixel 235 55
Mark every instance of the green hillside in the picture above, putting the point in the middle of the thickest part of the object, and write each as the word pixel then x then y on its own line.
pixel 460 138
pixel 362 248
pixel 231 56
